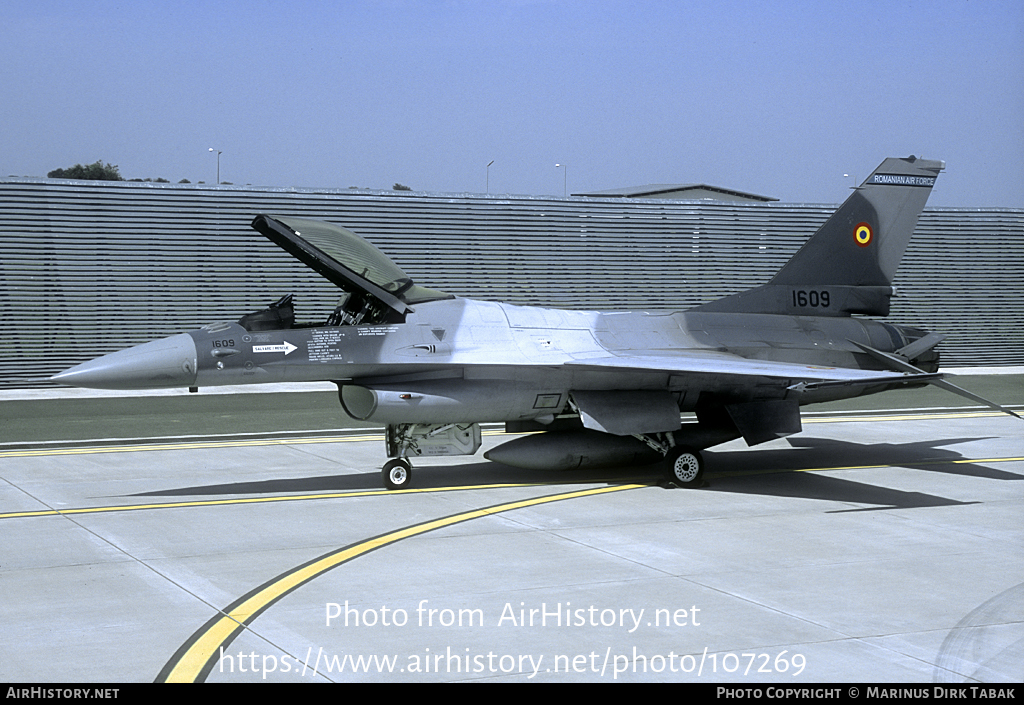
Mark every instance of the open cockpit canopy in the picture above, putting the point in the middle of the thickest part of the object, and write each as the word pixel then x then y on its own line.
pixel 347 260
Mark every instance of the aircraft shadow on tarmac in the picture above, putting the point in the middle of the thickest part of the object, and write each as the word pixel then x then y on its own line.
pixel 787 477
pixel 779 472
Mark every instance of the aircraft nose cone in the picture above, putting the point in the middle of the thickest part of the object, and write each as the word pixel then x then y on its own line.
pixel 169 362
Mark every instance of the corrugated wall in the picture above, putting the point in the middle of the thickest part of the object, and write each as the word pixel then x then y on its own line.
pixel 91 267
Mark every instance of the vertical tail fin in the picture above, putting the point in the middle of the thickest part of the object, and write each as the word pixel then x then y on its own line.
pixel 848 265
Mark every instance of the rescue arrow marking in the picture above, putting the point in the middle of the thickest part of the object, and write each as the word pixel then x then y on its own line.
pixel 285 348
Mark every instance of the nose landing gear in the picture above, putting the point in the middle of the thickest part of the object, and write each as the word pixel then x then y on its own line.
pixel 397 474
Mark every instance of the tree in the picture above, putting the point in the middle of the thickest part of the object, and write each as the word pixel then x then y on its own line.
pixel 401 187
pixel 96 172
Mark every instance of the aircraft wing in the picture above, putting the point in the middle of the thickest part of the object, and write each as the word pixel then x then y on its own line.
pixel 712 362
pixel 644 411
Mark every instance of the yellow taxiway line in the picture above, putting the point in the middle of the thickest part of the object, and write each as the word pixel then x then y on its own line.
pixel 902 417
pixel 185 445
pixel 256 500
pixel 196 658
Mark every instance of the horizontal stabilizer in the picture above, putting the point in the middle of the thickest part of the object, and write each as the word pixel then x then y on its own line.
pixel 921 346
pixel 898 363
pixel 950 387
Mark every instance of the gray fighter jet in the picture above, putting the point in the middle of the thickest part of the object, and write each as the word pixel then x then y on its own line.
pixel 604 388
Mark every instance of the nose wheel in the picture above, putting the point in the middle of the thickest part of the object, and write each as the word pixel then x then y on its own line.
pixel 397 474
pixel 684 467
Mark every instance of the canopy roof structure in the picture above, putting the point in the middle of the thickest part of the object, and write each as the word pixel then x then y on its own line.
pixel 347 260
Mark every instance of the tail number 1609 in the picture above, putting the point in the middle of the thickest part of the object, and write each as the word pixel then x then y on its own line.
pixel 812 298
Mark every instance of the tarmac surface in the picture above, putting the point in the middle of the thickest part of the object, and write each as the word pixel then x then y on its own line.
pixel 241 538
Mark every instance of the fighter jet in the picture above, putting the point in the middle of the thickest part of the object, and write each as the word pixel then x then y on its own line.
pixel 601 387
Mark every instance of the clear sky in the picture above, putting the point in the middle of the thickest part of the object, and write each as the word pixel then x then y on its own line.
pixel 776 97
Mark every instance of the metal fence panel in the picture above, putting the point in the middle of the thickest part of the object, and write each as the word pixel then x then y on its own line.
pixel 87 268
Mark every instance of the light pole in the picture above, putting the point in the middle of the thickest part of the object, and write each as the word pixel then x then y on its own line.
pixel 851 176
pixel 218 163
pixel 565 178
pixel 489 176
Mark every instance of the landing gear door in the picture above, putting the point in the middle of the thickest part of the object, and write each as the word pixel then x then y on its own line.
pixel 625 413
pixel 426 440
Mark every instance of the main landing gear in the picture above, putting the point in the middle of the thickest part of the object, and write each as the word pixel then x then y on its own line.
pixel 684 467
pixel 397 474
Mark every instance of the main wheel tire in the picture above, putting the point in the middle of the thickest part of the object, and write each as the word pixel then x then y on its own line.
pixel 397 474
pixel 684 467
